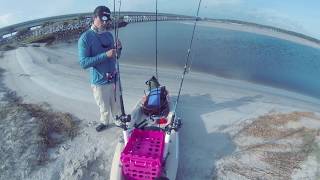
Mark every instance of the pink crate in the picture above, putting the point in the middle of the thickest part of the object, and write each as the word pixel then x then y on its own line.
pixel 141 159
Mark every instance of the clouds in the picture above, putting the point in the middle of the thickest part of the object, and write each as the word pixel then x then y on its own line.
pixel 275 18
pixel 134 5
pixel 5 19
pixel 186 7
pixel 280 19
pixel 217 3
pixel 293 15
pixel 283 16
pixel 16 11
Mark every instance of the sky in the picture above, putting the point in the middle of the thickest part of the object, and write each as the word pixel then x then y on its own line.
pixel 296 15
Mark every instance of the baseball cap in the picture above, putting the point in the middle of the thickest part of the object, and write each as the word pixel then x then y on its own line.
pixel 103 13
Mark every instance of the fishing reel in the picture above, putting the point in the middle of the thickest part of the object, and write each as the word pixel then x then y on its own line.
pixel 175 125
pixel 123 119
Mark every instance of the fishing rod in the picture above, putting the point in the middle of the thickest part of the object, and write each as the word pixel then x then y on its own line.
pixel 117 24
pixel 157 39
pixel 187 66
pixel 123 117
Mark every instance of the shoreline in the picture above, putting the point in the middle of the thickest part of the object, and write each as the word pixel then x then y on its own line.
pixel 257 30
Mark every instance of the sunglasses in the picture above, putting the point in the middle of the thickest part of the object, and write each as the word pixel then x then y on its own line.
pixel 105 18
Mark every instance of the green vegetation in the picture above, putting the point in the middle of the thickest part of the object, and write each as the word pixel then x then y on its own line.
pixel 48 23
pixel 8 47
pixel 22 32
pixel 46 38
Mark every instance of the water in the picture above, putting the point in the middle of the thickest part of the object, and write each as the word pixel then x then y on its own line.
pixel 232 54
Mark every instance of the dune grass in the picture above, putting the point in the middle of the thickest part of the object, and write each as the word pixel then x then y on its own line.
pixel 8 47
pixel 271 142
pixel 53 127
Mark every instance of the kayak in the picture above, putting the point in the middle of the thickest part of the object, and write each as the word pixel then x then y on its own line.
pixel 148 147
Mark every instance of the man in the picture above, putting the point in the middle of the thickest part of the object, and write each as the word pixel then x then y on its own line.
pixel 97 53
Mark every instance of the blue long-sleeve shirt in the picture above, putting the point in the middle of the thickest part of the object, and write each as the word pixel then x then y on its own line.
pixel 92 49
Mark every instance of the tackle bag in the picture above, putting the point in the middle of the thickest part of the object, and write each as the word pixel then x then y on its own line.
pixel 156 102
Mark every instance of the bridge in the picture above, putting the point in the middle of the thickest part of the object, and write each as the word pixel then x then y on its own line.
pixel 130 17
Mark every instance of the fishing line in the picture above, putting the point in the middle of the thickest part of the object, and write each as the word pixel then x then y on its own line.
pixel 187 66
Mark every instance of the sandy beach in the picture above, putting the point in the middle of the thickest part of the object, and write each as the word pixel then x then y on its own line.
pixel 213 111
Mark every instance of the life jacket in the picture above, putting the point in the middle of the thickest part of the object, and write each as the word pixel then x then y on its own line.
pixel 156 102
